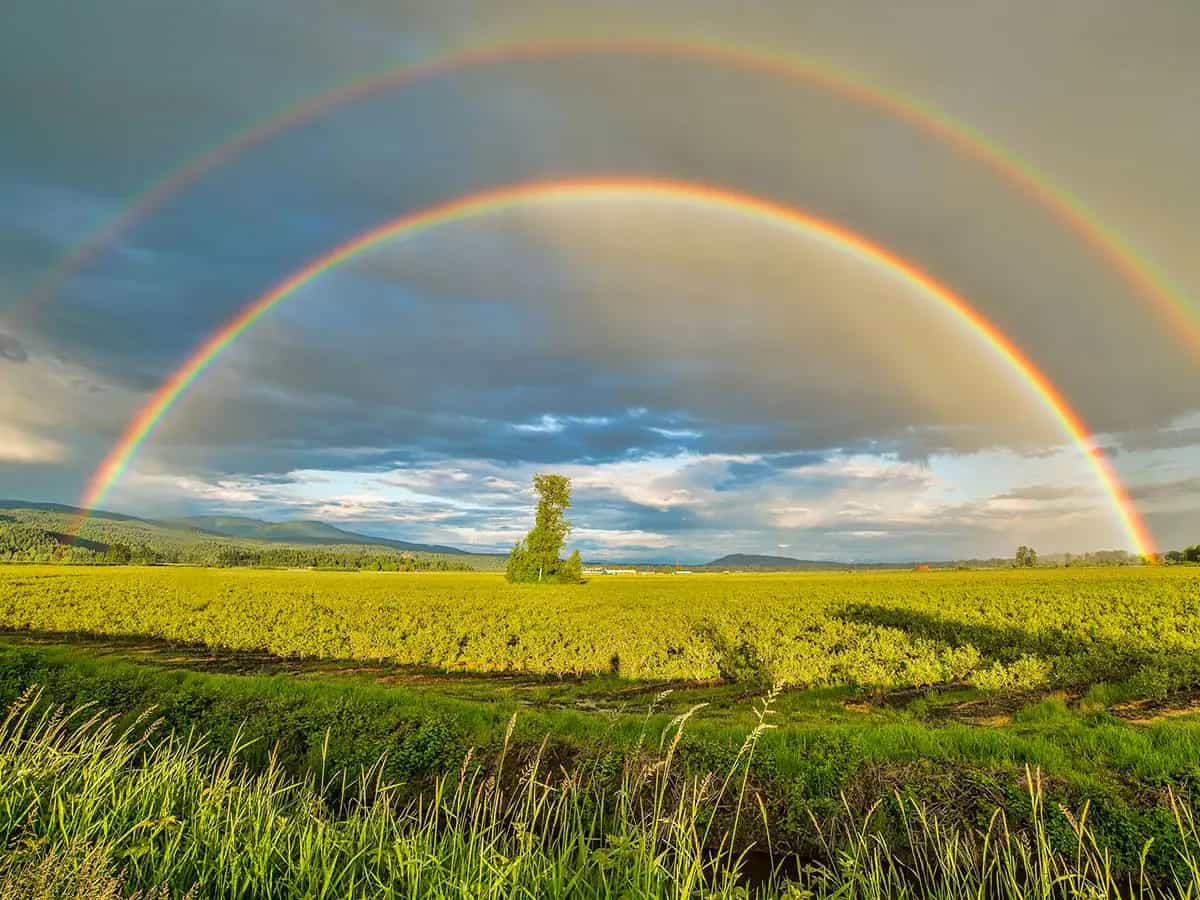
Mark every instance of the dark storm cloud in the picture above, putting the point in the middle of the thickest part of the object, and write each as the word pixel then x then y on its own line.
pixel 1039 492
pixel 507 354
pixel 1174 528
pixel 741 474
pixel 1166 439
pixel 1185 490
pixel 285 202
pixel 147 85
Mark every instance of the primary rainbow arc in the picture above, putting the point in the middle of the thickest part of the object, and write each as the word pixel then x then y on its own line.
pixel 176 385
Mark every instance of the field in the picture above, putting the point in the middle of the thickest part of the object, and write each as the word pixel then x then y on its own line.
pixel 905 710
pixel 993 630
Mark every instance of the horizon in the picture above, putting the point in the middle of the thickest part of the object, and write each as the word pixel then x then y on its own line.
pixel 715 556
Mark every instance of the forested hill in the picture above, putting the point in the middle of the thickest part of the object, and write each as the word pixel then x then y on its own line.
pixel 39 532
pixel 754 562
pixel 304 531
pixel 751 562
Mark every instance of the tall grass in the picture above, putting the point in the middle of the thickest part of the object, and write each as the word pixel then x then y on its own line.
pixel 87 810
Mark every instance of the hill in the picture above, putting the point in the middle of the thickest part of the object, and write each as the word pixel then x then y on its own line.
pixel 304 531
pixel 754 562
pixel 40 532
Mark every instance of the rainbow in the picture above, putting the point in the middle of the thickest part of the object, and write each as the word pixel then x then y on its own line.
pixel 170 391
pixel 1138 271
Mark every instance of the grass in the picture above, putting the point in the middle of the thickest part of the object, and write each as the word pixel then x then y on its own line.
pixel 103 811
pixel 941 713
pixel 812 771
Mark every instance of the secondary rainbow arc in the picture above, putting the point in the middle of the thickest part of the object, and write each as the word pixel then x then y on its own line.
pixel 142 425
pixel 1136 269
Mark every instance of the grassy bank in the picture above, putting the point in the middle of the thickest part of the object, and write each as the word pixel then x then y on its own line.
pixel 829 758
pixel 88 809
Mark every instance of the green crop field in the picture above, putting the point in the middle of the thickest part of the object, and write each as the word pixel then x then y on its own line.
pixel 993 630
pixel 913 718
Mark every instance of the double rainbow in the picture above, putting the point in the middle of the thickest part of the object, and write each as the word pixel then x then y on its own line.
pixel 636 189
pixel 1179 312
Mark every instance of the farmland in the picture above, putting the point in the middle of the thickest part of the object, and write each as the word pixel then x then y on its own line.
pixel 993 630
pixel 946 694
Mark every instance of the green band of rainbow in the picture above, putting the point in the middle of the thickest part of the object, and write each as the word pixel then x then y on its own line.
pixel 1181 313
pixel 148 417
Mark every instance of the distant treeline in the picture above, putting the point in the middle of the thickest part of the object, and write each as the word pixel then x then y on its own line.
pixel 1099 558
pixel 1180 557
pixel 29 543
pixel 1080 560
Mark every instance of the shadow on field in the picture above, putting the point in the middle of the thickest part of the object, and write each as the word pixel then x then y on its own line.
pixel 1003 643
pixel 581 692
pixel 219 660
pixel 1147 683
pixel 1151 679
pixel 1000 642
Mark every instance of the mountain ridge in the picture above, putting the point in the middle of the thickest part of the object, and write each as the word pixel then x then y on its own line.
pixel 299 532
pixel 306 531
pixel 761 562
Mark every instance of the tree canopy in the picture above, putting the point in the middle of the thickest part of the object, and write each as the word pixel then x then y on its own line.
pixel 536 556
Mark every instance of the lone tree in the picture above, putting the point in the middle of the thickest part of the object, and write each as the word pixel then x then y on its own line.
pixel 1026 557
pixel 536 557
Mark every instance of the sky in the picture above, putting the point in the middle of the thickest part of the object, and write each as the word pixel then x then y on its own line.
pixel 712 381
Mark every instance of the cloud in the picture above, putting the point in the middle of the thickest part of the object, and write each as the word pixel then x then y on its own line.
pixel 19 446
pixel 1038 493
pixel 54 412
pixel 844 507
pixel 1166 439
pixel 1185 490
pixel 625 276
pixel 607 541
pixel 11 349
pixel 300 376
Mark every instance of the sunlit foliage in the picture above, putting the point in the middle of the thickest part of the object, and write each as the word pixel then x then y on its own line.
pixel 996 630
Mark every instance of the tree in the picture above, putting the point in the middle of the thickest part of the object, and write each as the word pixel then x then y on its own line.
pixel 28 543
pixel 572 569
pixel 118 554
pixel 536 557
pixel 1192 554
pixel 1026 557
